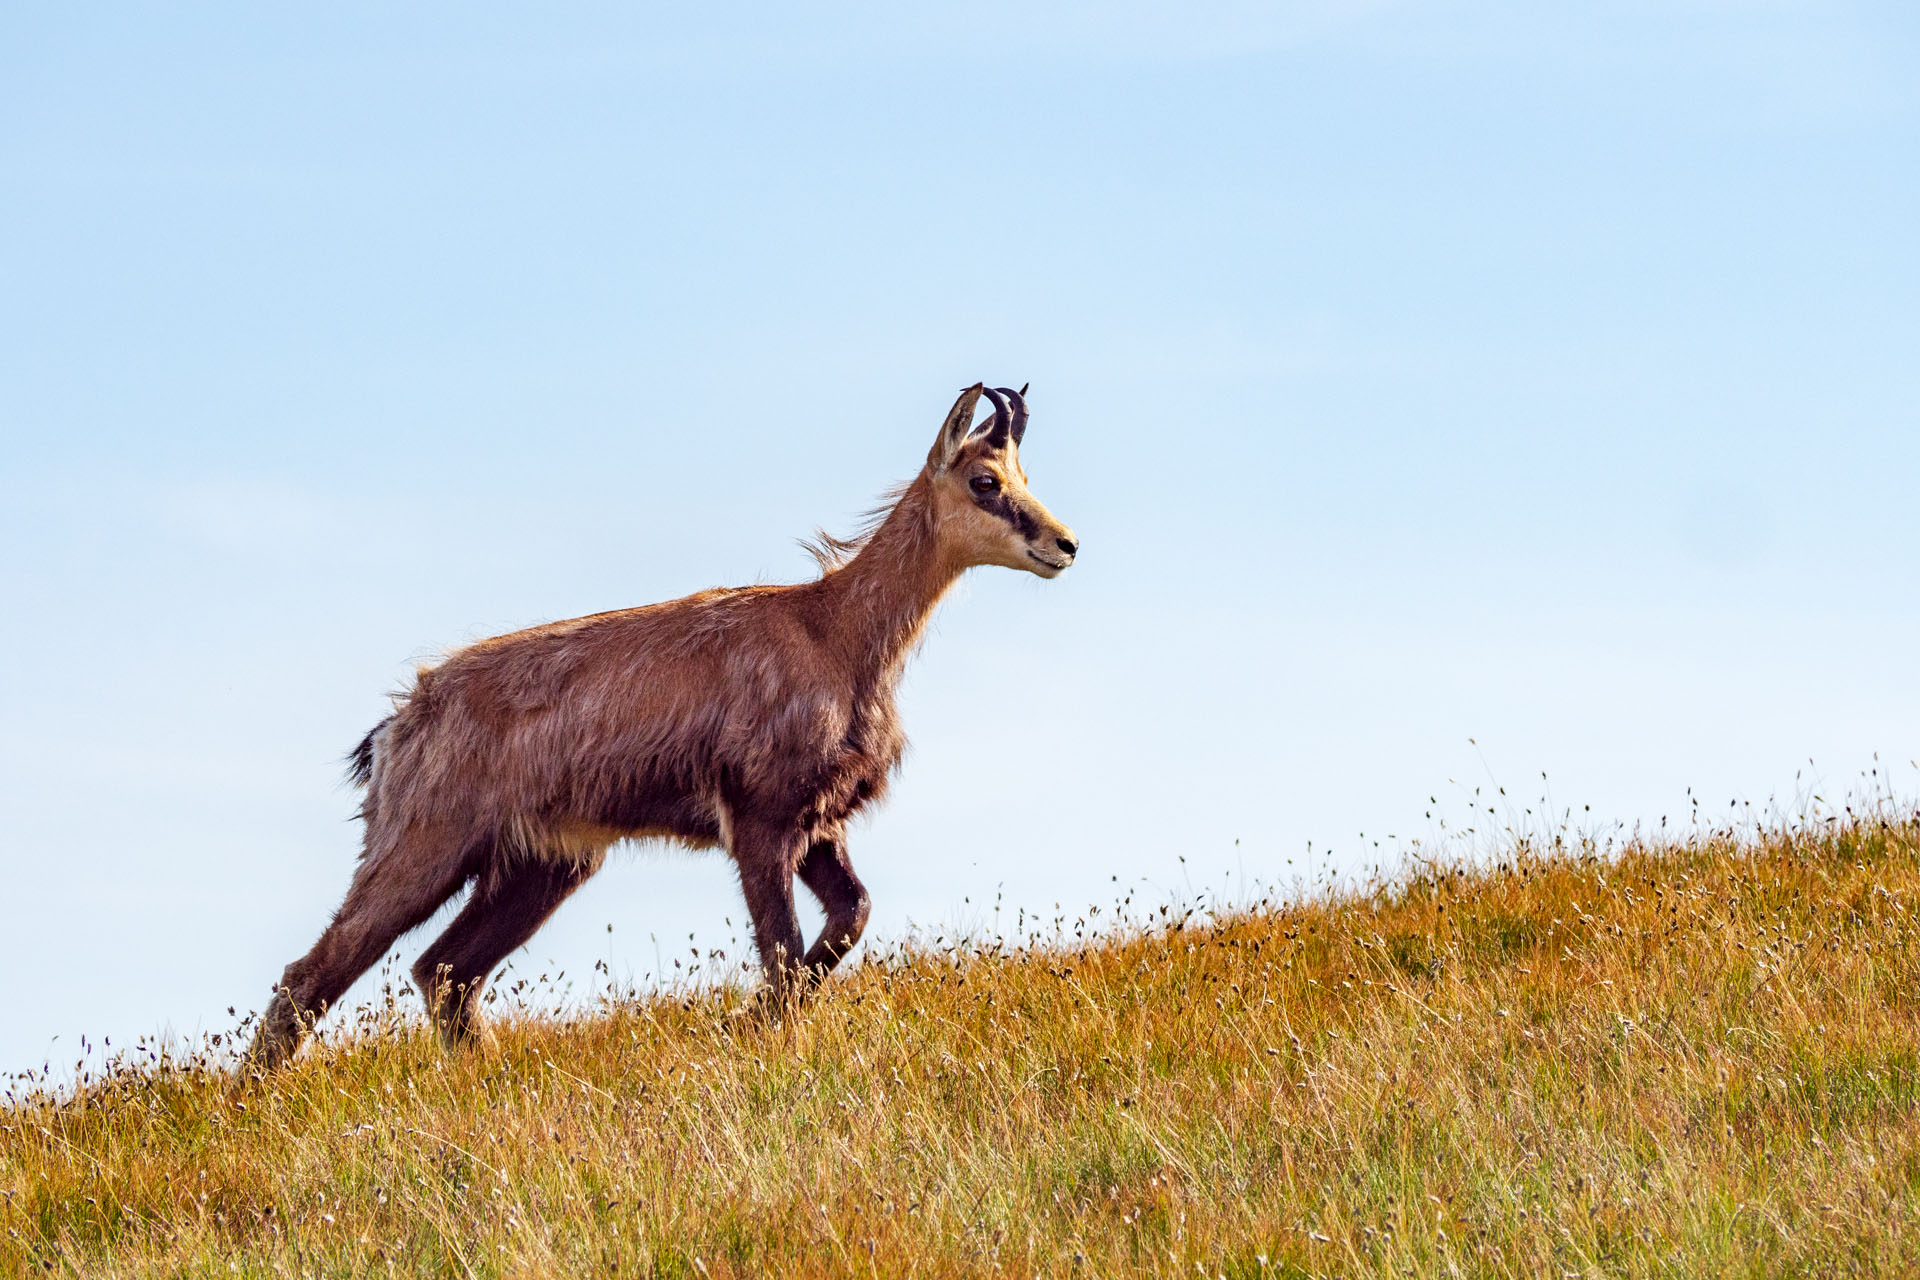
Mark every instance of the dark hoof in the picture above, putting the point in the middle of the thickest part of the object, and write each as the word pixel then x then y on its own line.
pixel 278 1038
pixel 461 1035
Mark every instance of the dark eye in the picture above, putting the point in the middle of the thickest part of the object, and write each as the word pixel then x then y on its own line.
pixel 985 483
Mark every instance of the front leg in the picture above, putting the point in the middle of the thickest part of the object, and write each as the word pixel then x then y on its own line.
pixel 827 871
pixel 766 856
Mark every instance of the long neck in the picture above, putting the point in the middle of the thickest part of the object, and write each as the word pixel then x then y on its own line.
pixel 882 598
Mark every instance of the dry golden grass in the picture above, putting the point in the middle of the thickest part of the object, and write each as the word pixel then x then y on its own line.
pixel 1681 1061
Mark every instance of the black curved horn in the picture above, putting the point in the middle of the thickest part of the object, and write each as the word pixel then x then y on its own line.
pixel 1018 427
pixel 998 428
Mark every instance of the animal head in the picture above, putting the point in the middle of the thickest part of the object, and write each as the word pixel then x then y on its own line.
pixel 983 511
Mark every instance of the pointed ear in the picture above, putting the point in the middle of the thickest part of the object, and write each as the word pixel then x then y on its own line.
pixel 953 432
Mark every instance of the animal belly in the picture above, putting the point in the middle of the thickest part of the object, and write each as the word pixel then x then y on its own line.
pixel 687 819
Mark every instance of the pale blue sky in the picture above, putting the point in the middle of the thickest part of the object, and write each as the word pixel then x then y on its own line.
pixel 1544 375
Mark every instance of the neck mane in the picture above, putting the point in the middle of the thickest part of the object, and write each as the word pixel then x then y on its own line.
pixel 882 597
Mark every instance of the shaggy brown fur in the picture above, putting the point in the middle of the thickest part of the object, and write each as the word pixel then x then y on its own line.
pixel 758 720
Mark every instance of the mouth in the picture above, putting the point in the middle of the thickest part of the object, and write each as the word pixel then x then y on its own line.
pixel 1055 565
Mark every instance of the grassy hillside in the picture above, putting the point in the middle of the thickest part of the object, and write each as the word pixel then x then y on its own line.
pixel 1690 1061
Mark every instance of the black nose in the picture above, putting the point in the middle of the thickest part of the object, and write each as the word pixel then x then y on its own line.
pixel 1067 545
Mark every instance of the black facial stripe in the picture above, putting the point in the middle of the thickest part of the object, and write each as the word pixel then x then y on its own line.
pixel 997 503
pixel 994 502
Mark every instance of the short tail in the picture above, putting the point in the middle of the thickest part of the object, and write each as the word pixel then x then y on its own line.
pixel 360 761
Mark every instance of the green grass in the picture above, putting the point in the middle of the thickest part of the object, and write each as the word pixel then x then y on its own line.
pixel 1700 1059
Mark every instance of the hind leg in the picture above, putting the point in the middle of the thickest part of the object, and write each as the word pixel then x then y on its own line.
pixel 503 913
pixel 391 893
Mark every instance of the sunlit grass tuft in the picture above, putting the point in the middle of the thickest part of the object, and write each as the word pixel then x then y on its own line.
pixel 1702 1058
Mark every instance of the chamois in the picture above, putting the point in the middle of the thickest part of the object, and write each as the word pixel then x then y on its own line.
pixel 757 719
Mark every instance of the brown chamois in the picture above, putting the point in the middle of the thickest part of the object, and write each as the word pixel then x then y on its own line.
pixel 759 720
